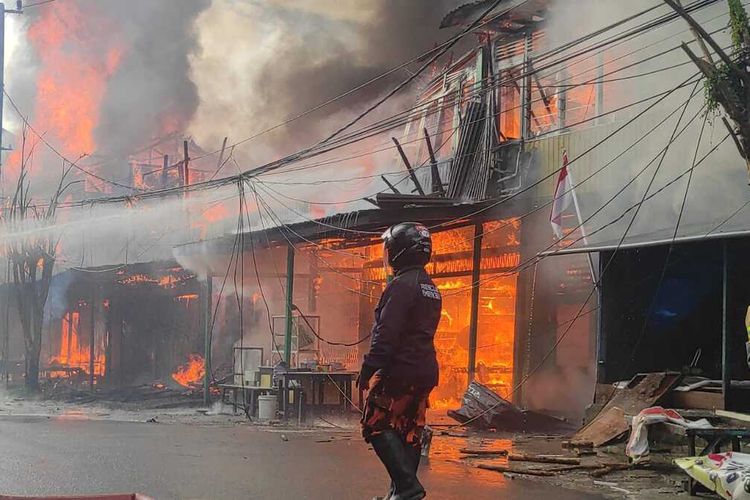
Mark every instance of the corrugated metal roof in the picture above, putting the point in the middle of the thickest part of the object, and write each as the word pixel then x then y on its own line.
pixel 693 234
pixel 522 12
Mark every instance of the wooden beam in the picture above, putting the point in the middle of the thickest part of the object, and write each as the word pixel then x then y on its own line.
pixel 186 164
pixel 701 42
pixel 221 154
pixel 388 183
pixel 474 312
pixel 734 137
pixel 92 339
pixel 437 183
pixel 207 306
pixel 705 36
pixel 408 167
pixel 531 111
pixel 542 93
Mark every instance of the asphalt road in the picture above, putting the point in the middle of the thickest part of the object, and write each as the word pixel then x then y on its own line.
pixel 45 456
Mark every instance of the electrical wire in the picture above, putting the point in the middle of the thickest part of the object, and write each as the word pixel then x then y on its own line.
pixel 166 191
pixel 591 293
pixel 599 170
pixel 698 4
pixel 665 266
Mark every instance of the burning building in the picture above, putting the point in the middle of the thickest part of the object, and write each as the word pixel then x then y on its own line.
pixel 480 151
pixel 470 140
pixel 124 326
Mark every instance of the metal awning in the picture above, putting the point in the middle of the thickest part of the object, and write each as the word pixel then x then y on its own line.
pixel 659 238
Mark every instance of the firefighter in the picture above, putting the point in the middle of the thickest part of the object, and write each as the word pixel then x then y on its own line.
pixel 400 369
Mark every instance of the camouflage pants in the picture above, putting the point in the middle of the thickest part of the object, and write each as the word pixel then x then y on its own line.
pixel 394 406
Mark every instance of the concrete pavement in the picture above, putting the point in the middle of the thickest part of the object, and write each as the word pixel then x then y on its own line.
pixel 58 455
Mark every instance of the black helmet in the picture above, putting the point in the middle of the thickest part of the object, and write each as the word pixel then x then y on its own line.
pixel 407 244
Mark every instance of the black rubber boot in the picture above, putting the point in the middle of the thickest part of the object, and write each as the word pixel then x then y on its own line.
pixel 415 455
pixel 387 495
pixel 399 462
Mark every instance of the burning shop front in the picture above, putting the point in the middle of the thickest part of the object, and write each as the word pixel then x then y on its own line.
pixel 127 325
pixel 474 267
pixel 495 319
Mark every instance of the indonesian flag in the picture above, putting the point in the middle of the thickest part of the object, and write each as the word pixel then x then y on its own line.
pixel 563 198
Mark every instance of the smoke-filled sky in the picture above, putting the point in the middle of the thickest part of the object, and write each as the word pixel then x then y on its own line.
pixel 261 62
pixel 206 68
pixel 218 68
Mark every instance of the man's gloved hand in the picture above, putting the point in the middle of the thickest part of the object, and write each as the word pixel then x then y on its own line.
pixel 365 374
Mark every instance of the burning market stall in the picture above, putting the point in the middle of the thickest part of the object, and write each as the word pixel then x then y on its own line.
pixel 125 325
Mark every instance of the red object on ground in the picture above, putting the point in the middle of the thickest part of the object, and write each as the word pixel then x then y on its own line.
pixel 132 496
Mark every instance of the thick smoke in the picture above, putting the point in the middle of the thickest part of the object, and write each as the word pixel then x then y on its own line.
pixel 151 94
pixel 718 187
pixel 141 47
pixel 265 61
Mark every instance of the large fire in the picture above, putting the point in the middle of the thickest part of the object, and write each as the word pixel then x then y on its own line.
pixel 73 353
pixel 495 338
pixel 190 373
pixel 72 78
pixel 451 270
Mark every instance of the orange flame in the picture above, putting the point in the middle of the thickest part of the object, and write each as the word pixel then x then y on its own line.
pixel 72 78
pixel 72 353
pixel 192 372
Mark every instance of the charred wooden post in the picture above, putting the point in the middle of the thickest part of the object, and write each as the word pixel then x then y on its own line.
pixel 545 99
pixel 527 113
pixel 437 183
pixel 408 167
pixel 475 285
pixel 185 164
pixel 388 183
pixel 207 305
pixel 289 306
pixel 92 340
pixel 69 319
pixel 221 153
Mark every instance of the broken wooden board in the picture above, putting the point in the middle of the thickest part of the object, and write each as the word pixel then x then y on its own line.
pixel 697 399
pixel 609 425
pixel 544 459
pixel 643 391
pixel 516 470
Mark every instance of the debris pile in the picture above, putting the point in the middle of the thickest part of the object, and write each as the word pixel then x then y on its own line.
pixel 617 438
pixel 483 409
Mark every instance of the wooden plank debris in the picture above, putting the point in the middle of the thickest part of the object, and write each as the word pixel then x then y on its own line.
pixel 643 391
pixel 743 417
pixel 468 451
pixel 516 470
pixel 544 459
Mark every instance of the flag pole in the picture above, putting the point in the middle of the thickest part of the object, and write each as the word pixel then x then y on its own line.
pixel 580 224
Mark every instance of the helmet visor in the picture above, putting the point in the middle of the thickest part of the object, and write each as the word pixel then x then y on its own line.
pixel 386 264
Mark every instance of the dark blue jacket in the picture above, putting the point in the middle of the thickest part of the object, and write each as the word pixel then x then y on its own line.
pixel 406 319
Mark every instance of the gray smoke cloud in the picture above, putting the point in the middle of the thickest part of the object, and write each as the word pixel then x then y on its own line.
pixel 262 62
pixel 147 90
pixel 151 92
